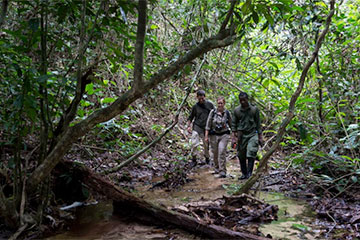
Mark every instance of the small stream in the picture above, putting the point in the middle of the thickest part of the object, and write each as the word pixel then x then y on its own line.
pixel 295 217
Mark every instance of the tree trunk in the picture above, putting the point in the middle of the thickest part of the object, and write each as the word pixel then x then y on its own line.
pixel 139 45
pixel 128 204
pixel 8 211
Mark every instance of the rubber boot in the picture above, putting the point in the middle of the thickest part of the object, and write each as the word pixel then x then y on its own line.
pixel 251 162
pixel 243 169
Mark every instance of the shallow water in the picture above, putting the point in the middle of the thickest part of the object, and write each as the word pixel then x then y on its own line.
pixel 295 218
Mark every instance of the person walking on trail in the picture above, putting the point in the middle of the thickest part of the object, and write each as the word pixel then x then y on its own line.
pixel 246 131
pixel 196 127
pixel 218 129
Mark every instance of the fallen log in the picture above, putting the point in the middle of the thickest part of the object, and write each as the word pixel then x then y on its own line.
pixel 128 204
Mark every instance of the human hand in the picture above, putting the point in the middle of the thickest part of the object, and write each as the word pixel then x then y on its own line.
pixel 189 129
pixel 261 141
pixel 233 142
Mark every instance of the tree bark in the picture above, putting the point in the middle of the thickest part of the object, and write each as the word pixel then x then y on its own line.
pixel 222 39
pixel 4 8
pixel 130 205
pixel 139 45
pixel 264 160
pixel 8 211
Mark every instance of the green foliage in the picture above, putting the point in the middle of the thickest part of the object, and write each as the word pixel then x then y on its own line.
pixel 332 170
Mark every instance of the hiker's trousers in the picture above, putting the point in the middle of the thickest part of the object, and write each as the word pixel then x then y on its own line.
pixel 195 144
pixel 218 144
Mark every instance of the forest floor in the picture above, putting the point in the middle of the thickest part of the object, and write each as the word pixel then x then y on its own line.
pixel 200 193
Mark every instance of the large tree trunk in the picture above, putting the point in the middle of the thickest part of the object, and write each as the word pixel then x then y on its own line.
pixel 128 204
pixel 222 39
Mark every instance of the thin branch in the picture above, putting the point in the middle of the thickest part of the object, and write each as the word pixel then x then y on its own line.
pixel 171 24
pixel 228 15
pixel 82 79
pixel 87 41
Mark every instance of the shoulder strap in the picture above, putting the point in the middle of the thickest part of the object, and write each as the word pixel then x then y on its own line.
pixel 212 113
pixel 227 115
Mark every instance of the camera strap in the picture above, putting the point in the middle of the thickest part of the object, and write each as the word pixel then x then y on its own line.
pixel 224 121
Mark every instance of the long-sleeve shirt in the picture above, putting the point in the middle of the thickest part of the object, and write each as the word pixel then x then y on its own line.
pixel 199 113
pixel 246 120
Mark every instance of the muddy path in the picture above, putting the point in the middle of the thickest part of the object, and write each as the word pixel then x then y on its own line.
pixel 295 218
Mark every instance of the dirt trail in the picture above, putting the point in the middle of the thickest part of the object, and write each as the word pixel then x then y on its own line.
pixel 203 185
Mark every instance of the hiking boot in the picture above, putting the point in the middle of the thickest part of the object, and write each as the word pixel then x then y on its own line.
pixel 216 171
pixel 243 177
pixel 222 175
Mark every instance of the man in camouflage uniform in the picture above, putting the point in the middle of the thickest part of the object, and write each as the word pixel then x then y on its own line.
pixel 247 133
pixel 198 116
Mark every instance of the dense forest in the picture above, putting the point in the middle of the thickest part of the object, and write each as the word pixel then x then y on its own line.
pixel 96 93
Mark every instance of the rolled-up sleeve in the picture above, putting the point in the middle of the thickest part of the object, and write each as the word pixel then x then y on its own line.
pixel 208 121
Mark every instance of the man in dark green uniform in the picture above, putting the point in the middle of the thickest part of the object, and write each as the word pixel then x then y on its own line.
pixel 247 133
pixel 198 116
